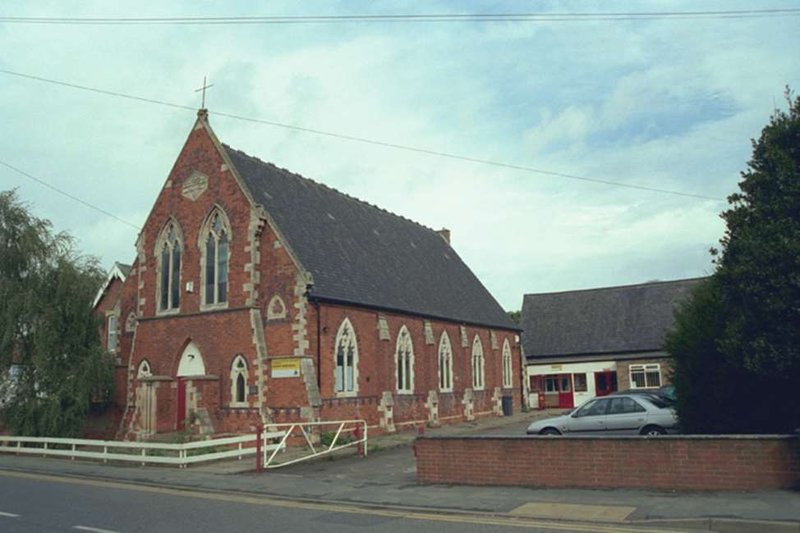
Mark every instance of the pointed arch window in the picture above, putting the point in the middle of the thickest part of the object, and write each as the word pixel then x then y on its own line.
pixel 130 323
pixel 144 370
pixel 404 359
pixel 445 364
pixel 215 246
pixel 169 265
pixel 239 382
pixel 191 362
pixel 346 360
pixel 507 366
pixel 477 363
pixel 111 338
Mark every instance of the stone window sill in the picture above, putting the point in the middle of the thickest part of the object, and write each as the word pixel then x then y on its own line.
pixel 213 307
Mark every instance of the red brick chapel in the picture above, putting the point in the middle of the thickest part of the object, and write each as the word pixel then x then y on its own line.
pixel 258 296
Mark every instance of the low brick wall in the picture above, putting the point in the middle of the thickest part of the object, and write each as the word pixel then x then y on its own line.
pixel 741 462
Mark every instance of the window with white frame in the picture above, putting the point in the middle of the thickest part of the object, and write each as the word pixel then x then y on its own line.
pixel 508 368
pixel 239 382
pixel 404 358
pixel 168 252
pixel 477 363
pixel 645 376
pixel 346 360
pixel 445 363
pixel 215 235
pixel 111 340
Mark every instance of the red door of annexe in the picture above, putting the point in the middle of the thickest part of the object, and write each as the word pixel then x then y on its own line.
pixel 605 383
pixel 565 398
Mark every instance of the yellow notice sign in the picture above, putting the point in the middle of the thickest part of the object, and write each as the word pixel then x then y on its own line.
pixel 285 368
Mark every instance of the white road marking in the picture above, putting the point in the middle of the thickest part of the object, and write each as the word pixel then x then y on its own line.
pixel 9 515
pixel 93 529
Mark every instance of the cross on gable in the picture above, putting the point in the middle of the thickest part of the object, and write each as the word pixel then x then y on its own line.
pixel 203 88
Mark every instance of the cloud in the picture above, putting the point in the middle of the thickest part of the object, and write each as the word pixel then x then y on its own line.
pixel 662 103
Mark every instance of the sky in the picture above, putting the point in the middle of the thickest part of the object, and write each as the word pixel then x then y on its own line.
pixel 669 103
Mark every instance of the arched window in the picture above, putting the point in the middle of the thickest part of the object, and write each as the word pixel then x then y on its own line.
pixel 214 243
pixel 111 337
pixel 130 323
pixel 191 362
pixel 445 364
pixel 507 366
pixel 477 363
pixel 239 382
pixel 168 252
pixel 405 361
pixel 346 359
pixel 144 370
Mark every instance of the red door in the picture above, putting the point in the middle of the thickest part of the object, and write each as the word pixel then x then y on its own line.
pixel 605 383
pixel 181 404
pixel 565 398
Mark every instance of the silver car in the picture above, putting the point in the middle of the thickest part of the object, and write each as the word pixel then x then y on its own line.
pixel 621 414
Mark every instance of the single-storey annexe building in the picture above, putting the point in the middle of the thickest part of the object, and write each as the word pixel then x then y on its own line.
pixel 586 343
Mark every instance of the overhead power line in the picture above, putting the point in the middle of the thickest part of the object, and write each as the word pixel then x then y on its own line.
pixel 68 195
pixel 373 142
pixel 465 158
pixel 410 17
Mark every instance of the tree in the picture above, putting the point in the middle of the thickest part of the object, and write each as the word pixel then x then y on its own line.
pixel 712 392
pixel 737 343
pixel 515 316
pixel 759 265
pixel 48 329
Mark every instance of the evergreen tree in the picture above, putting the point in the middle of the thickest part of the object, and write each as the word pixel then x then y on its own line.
pixel 759 264
pixel 48 329
pixel 736 344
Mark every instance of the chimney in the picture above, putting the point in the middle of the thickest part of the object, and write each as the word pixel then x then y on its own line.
pixel 445 234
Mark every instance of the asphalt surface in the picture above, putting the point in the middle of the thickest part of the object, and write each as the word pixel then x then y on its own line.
pixel 386 480
pixel 32 504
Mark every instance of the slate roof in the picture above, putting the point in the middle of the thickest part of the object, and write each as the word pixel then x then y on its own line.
pixel 119 271
pixel 361 254
pixel 124 268
pixel 632 318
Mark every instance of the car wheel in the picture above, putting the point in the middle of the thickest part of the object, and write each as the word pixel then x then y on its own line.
pixel 653 431
pixel 550 432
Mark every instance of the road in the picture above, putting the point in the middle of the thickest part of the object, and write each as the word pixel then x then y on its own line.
pixel 36 503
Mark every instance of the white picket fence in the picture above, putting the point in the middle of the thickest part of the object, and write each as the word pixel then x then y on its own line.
pixel 306 436
pixel 142 452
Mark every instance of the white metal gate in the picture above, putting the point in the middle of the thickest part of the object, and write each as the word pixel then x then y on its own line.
pixel 342 434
